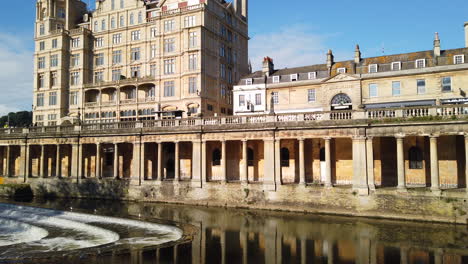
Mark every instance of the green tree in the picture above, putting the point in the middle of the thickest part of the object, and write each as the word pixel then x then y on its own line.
pixel 18 119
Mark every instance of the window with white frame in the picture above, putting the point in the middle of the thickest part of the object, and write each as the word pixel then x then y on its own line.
pixel 222 71
pixel 373 68
pixel 154 32
pixel 53 79
pixel 275 97
pixel 103 24
pixel 421 86
pixel 116 57
pixel 192 85
pixel 75 42
pixel 341 70
pixel 311 96
pixel 153 69
pixel 458 59
pixel 113 25
pixel 73 98
pixel 136 35
pixel 135 71
pixel 420 63
pixel 96 26
pixel 135 54
pixel 169 25
pixel 121 21
pixel 54 60
pixel 54 43
pixel 276 79
pixel 312 75
pixel 258 99
pixel 222 50
pixel 112 4
pixel 249 81
pixel 189 21
pixel 241 100
pixel 40 99
pixel 41 80
pixel 53 98
pixel 193 62
pixel 75 60
pixel 99 42
pixel 52 117
pixel 74 78
pixel 373 90
pixel 41 63
pixel 193 39
pixel 116 74
pixel 61 13
pixel 293 77
pixel 41 30
pixel 132 20
pixel 117 38
pixel 169 66
pixel 169 45
pixel 122 4
pixel 140 17
pixel 99 59
pixel 396 66
pixel 98 76
pixel 41 45
pixel 396 88
pixel 446 84
pixel 169 89
pixel 154 50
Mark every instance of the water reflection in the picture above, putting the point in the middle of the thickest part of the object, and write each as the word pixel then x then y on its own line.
pixel 242 236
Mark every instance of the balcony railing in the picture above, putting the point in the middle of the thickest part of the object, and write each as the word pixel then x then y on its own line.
pixel 395 115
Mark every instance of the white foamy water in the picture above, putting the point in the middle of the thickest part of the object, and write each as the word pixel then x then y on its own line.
pixel 28 230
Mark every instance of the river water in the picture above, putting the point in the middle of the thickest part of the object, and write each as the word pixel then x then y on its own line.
pixel 220 235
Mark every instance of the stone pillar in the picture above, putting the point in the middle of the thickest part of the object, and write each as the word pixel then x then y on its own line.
pixel 116 160
pixel 80 162
pixel 74 160
pixel 466 162
pixel 302 180
pixel 24 158
pixel 204 174
pixel 98 161
pixel 370 163
pixel 360 166
pixel 277 163
pixel 223 246
pixel 143 175
pixel 328 169
pixel 58 163
pixel 177 161
pixel 401 163
pixel 196 164
pixel 223 162
pixel 403 255
pixel 303 251
pixel 330 259
pixel 244 173
pixel 160 172
pixel 135 176
pixel 269 167
pixel 42 160
pixel 244 245
pixel 8 161
pixel 435 183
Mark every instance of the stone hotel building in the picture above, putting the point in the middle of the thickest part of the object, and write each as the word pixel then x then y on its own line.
pixel 134 60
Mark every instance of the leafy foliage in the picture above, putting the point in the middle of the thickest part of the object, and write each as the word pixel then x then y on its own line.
pixel 18 119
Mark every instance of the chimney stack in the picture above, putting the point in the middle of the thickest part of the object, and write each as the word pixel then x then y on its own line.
pixel 357 55
pixel 268 66
pixel 466 34
pixel 436 45
pixel 245 9
pixel 329 59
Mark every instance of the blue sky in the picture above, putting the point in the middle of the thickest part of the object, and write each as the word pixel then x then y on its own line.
pixel 293 33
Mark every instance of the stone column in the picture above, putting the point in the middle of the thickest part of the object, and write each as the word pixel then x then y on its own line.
pixel 8 161
pixel 244 244
pixel 80 161
pixel 302 180
pixel 328 170
pixel 303 251
pixel 98 161
pixel 136 162
pixel 370 163
pixel 277 162
pixel 360 165
pixel 269 167
pixel 403 255
pixel 160 172
pixel 330 259
pixel 24 158
pixel 74 161
pixel 244 173
pixel 401 162
pixel 58 163
pixel 177 161
pixel 204 174
pixel 435 183
pixel 42 171
pixel 143 175
pixel 223 162
pixel 466 162
pixel 223 246
pixel 116 160
pixel 196 164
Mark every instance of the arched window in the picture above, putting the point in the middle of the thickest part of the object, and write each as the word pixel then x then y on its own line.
pixel 216 157
pixel 140 18
pixel 415 158
pixel 250 157
pixel 284 157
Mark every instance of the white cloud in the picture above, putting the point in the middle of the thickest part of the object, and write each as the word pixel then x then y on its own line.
pixel 293 46
pixel 16 73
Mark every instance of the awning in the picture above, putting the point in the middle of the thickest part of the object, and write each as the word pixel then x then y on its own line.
pixel 401 104
pixel 454 101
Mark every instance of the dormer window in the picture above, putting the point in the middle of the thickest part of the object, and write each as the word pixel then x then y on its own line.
pixel 341 70
pixel 420 63
pixel 396 66
pixel 294 77
pixel 312 75
pixel 373 68
pixel 248 81
pixel 458 59
pixel 276 79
